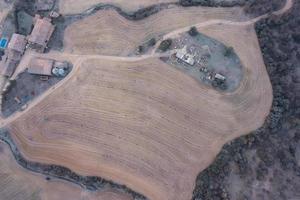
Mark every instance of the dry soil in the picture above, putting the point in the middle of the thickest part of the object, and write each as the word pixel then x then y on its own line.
pixel 144 123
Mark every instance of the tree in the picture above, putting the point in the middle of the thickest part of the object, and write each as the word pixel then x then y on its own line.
pixel 165 45
pixel 228 51
pixel 151 42
pixel 193 31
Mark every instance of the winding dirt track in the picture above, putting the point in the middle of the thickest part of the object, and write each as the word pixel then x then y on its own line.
pixel 139 121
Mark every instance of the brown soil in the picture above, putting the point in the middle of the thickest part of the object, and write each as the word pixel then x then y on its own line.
pixel 19 184
pixel 142 123
pixel 78 6
pixel 108 33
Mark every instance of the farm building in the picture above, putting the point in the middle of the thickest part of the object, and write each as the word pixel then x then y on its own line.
pixel 16 46
pixel 183 55
pixel 13 54
pixel 41 66
pixel 220 77
pixel 41 33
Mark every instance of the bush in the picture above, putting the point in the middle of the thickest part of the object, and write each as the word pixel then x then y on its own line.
pixel 165 45
pixel 140 49
pixel 228 51
pixel 151 42
pixel 193 31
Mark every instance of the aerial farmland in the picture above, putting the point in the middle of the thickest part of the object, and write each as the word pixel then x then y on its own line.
pixel 118 100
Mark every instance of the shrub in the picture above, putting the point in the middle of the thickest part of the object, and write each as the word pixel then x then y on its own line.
pixel 151 42
pixel 228 51
pixel 193 31
pixel 165 45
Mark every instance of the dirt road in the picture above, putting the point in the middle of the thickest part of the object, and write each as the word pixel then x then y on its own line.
pixel 288 5
pixel 78 59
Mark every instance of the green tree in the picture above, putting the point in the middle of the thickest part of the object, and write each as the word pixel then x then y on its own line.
pixel 228 51
pixel 193 31
pixel 165 45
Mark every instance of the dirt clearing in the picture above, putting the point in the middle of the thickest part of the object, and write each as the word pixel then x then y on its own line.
pixel 108 33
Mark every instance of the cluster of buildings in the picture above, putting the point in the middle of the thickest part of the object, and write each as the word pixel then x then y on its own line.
pixel 47 67
pixel 184 56
pixel 37 40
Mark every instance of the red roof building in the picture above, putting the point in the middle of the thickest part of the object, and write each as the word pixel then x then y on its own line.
pixel 13 54
pixel 41 66
pixel 41 33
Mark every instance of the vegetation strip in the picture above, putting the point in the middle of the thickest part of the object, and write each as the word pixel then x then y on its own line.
pixel 91 183
pixel 275 147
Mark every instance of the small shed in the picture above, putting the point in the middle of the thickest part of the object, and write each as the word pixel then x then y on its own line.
pixel 41 66
pixel 220 77
pixel 41 33
pixel 17 43
pixel 13 54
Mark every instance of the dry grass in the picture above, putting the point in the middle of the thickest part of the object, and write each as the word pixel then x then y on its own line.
pixel 144 123
pixel 108 33
pixel 19 184
pixel 4 9
pixel 78 6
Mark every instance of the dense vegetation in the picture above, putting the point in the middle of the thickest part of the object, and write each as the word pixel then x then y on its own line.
pixel 270 155
pixel 253 7
pixel 165 45
pixel 91 183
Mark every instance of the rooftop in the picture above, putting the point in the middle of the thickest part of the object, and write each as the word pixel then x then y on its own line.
pixel 17 43
pixel 41 66
pixel 41 32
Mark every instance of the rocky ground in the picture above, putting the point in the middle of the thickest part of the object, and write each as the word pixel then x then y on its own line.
pixel 266 163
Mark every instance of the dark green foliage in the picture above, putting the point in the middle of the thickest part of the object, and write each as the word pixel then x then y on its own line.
pixel 212 3
pixel 193 31
pixel 91 183
pixel 296 37
pixel 165 45
pixel 271 149
pixel 260 7
pixel 219 84
pixel 228 51
pixel 140 49
pixel 151 42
